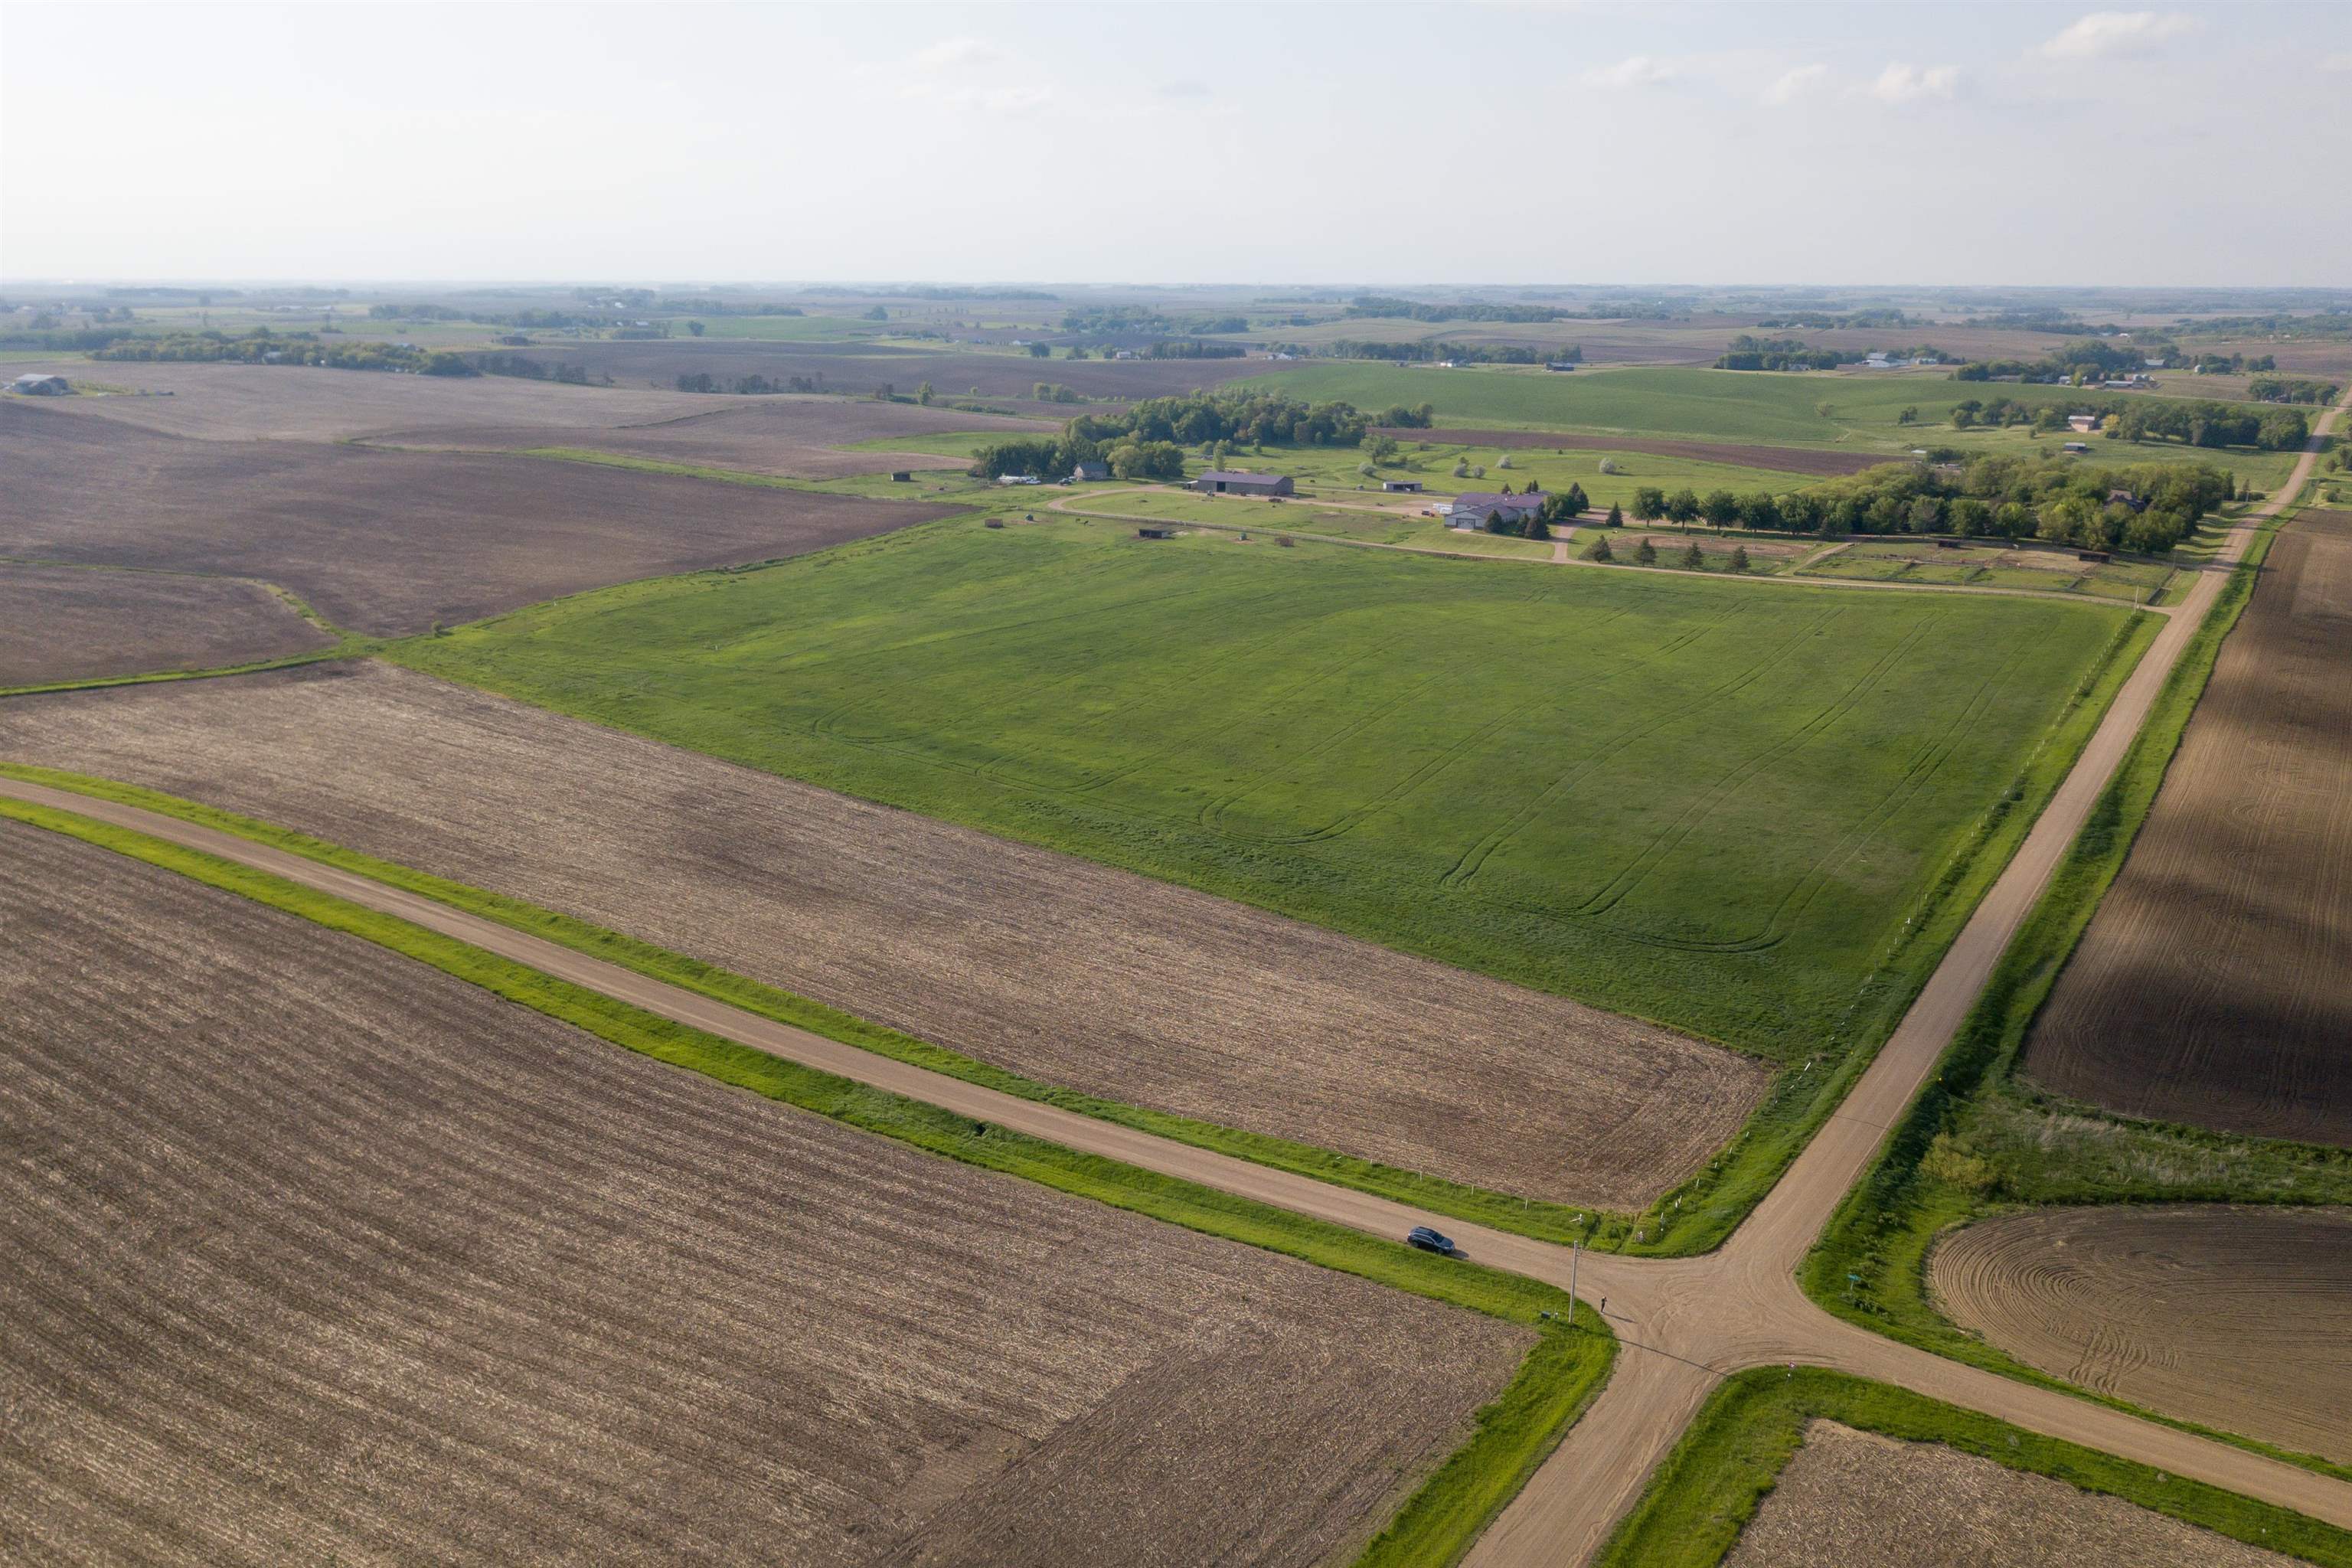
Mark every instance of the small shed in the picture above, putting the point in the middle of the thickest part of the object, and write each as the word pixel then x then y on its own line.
pixel 1087 472
pixel 39 386
pixel 2082 424
pixel 1155 533
pixel 2076 447
pixel 2092 555
pixel 1401 486
pixel 1228 482
pixel 902 476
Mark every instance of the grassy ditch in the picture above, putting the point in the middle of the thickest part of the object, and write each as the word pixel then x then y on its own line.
pixel 1711 1485
pixel 1511 1437
pixel 1977 1143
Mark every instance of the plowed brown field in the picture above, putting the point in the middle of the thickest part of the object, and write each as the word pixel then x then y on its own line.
pixel 310 1254
pixel 68 623
pixel 1855 1500
pixel 1058 968
pixel 794 437
pixel 2240 1319
pixel 383 542
pixel 1788 460
pixel 2210 987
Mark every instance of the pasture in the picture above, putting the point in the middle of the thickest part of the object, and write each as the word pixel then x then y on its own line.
pixel 2234 1317
pixel 1051 966
pixel 278 1193
pixel 1692 801
pixel 386 542
pixel 72 622
pixel 1978 565
pixel 2209 988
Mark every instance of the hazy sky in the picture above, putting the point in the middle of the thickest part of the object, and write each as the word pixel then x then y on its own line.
pixel 1179 143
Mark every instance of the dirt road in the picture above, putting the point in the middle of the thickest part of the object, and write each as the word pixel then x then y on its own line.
pixel 1687 1321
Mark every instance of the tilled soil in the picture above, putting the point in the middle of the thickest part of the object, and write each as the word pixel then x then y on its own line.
pixel 1855 1500
pixel 311 1253
pixel 69 623
pixel 389 542
pixel 2238 1319
pixel 794 437
pixel 1788 460
pixel 2209 987
pixel 1068 971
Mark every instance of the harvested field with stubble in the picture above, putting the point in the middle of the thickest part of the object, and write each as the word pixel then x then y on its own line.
pixel 1855 1500
pixel 2238 1318
pixel 73 623
pixel 389 542
pixel 311 1253
pixel 1811 460
pixel 1067 972
pixel 794 437
pixel 298 403
pixel 2209 987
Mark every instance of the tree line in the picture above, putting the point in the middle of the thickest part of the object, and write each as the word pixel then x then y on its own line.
pixel 1147 440
pixel 262 346
pixel 2290 389
pixel 1390 307
pixel 1422 351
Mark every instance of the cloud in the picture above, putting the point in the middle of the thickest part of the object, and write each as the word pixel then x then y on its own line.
pixel 1793 85
pixel 1184 90
pixel 1634 70
pixel 2107 32
pixel 2342 62
pixel 1900 83
pixel 971 74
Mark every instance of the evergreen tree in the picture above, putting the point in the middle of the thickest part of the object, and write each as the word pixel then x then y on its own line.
pixel 1599 549
pixel 1694 560
pixel 1576 500
pixel 1740 559
pixel 1534 525
pixel 1648 552
pixel 1616 515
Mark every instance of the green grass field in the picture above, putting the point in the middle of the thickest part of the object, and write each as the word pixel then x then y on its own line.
pixel 2033 568
pixel 1695 800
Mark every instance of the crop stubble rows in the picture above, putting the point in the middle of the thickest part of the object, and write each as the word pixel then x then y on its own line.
pixel 308 1251
pixel 1063 969
pixel 2209 987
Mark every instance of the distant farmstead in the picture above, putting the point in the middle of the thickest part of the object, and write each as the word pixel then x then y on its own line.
pixel 1222 482
pixel 39 386
pixel 1472 509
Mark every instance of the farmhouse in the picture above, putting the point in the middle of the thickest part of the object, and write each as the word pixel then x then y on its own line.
pixel 1474 510
pixel 2082 423
pixel 1224 482
pixel 1401 486
pixel 39 386
pixel 1089 470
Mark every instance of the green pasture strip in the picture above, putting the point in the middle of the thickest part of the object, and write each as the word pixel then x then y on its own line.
pixel 1708 1488
pixel 960 489
pixel 1570 1361
pixel 1229 720
pixel 1525 1216
pixel 355 648
pixel 1976 1144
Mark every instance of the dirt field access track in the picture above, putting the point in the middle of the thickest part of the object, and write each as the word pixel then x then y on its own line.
pixel 2238 1319
pixel 1856 1499
pixel 1060 969
pixel 388 542
pixel 311 1253
pixel 2209 987
pixel 69 623
pixel 1788 460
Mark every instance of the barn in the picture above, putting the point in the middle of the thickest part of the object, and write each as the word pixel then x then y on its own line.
pixel 1226 482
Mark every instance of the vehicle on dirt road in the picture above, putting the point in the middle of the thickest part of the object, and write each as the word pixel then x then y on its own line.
pixel 1428 1240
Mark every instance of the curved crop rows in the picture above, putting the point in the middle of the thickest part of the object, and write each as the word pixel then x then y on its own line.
pixel 2238 1318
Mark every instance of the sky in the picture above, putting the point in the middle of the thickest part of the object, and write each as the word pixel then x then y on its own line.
pixel 1178 143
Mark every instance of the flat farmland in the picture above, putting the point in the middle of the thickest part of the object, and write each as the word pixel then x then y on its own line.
pixel 2208 988
pixel 1699 802
pixel 2234 1317
pixel 869 368
pixel 298 403
pixel 71 623
pixel 1058 968
pixel 794 437
pixel 1856 1499
pixel 386 542
pixel 311 1253
pixel 1809 460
